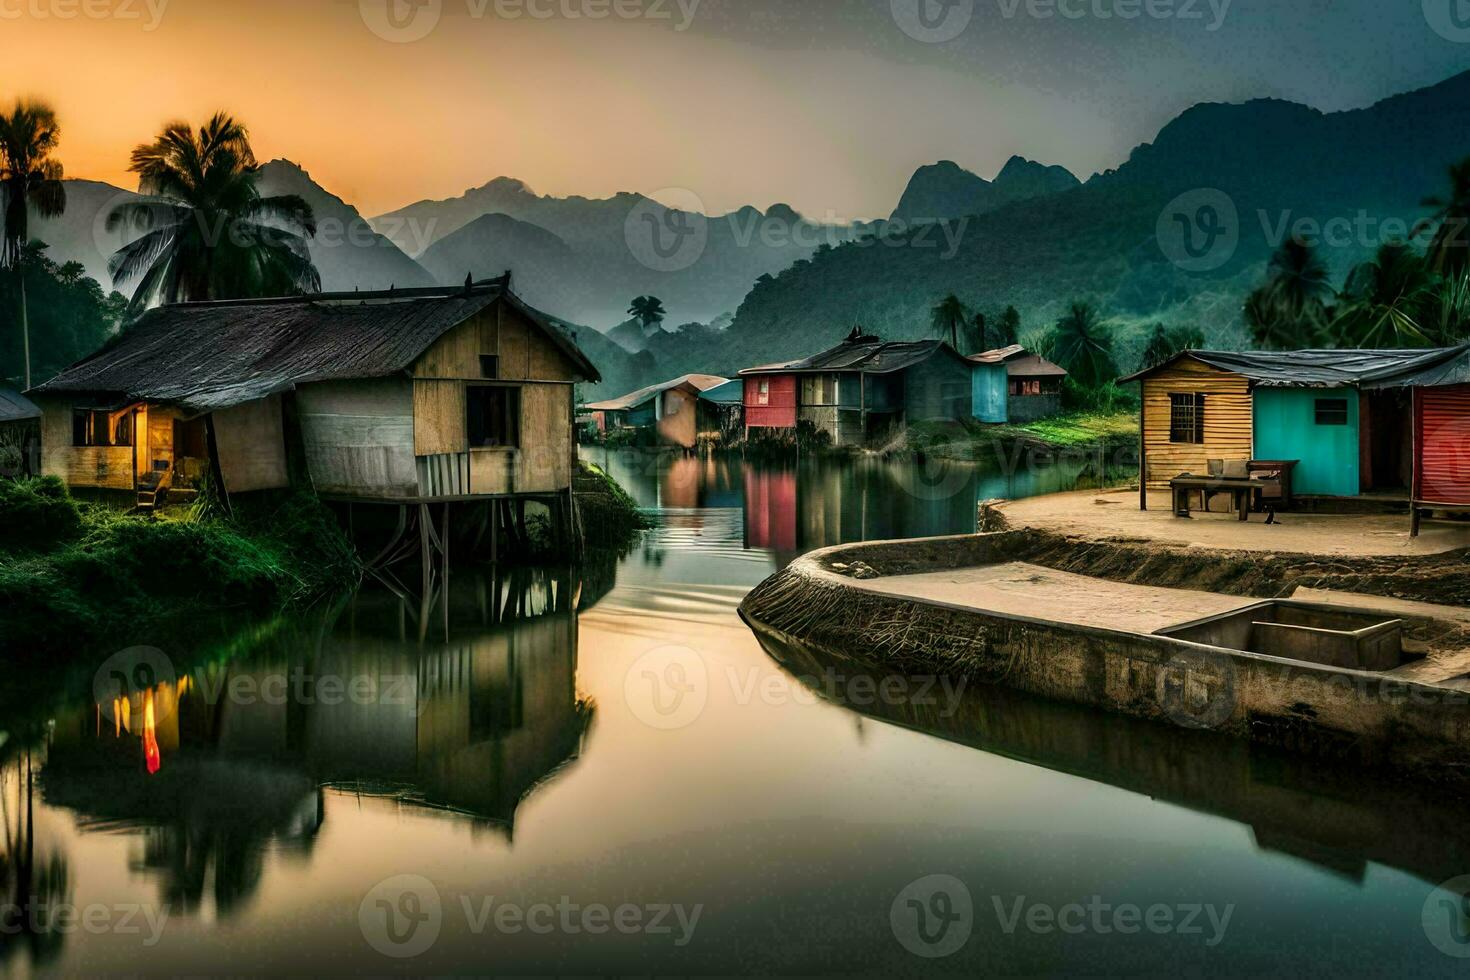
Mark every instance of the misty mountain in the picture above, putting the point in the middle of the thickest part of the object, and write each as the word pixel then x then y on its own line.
pixel 616 248
pixel 544 267
pixel 80 233
pixel 347 252
pixel 946 190
pixel 1179 233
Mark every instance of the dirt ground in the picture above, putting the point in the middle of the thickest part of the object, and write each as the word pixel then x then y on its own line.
pixel 1114 516
pixel 1021 589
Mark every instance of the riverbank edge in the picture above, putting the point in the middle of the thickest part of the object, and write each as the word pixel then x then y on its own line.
pixel 1355 716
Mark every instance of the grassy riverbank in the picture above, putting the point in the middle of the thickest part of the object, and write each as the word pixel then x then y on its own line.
pixel 77 575
pixel 1109 433
pixel 610 517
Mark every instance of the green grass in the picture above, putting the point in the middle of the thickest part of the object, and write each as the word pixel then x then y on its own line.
pixel 974 441
pixel 84 575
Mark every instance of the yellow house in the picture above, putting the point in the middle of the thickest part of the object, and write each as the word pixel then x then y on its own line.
pixel 407 397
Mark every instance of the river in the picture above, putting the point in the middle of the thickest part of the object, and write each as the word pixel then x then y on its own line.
pixel 607 772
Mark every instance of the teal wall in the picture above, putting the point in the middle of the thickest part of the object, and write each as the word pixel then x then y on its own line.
pixel 1286 428
pixel 990 388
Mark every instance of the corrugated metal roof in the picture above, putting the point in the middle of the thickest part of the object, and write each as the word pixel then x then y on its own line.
pixel 15 407
pixel 695 383
pixel 868 355
pixel 729 393
pixel 209 356
pixel 998 356
pixel 1303 368
pixel 1436 368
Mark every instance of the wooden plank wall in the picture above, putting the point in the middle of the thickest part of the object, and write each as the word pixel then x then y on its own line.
pixel 1227 420
pixel 101 467
pixel 251 442
pixel 359 437
pixel 526 356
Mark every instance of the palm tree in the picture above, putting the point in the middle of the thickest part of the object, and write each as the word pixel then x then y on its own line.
pixel 1290 310
pixel 207 232
pixel 1388 301
pixel 649 311
pixel 1164 343
pixel 1448 252
pixel 29 178
pixel 948 318
pixel 1009 329
pixel 1083 344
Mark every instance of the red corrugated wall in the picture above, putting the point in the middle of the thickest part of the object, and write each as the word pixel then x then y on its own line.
pixel 779 410
pixel 1442 444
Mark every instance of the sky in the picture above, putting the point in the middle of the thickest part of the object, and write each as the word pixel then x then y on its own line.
pixel 826 105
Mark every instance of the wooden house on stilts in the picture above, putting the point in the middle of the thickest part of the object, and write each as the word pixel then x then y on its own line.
pixel 406 399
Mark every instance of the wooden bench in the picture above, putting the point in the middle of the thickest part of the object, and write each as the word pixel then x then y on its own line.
pixel 1418 508
pixel 1241 492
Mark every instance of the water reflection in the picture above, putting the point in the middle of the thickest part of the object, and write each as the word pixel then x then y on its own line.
pixel 1332 816
pixel 212 771
pixel 32 876
pixel 790 507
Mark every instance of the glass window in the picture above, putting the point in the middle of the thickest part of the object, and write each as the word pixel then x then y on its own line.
pixel 1187 418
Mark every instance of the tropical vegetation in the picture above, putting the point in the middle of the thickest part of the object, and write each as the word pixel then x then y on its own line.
pixel 204 230
pixel 30 180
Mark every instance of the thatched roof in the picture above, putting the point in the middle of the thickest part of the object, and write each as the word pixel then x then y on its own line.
pixel 209 356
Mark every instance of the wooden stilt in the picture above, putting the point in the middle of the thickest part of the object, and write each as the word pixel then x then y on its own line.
pixel 444 550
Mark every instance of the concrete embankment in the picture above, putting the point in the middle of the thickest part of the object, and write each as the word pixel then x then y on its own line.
pixel 885 624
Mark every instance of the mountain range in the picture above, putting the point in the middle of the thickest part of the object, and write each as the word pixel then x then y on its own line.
pixel 1033 237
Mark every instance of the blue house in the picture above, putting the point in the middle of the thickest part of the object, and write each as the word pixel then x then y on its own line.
pixel 1011 384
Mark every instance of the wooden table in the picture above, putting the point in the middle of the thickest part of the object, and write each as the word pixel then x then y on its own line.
pixel 1241 492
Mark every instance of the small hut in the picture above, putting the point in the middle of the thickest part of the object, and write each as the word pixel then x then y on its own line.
pixel 859 389
pixel 404 397
pixel 1011 384
pixel 20 434
pixel 671 409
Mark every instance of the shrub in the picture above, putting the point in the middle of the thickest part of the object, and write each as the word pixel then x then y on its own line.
pixel 37 514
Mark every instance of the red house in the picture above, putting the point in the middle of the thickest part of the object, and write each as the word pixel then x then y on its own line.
pixel 770 402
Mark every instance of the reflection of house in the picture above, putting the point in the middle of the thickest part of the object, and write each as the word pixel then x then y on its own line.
pixel 410 396
pixel 1013 385
pixel 20 433
pixel 672 409
pixel 1318 407
pixel 860 388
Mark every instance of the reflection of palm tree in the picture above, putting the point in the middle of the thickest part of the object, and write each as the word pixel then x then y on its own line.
pixel 1387 300
pixel 26 885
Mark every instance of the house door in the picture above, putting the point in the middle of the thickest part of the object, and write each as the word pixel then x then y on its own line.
pixel 1387 440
